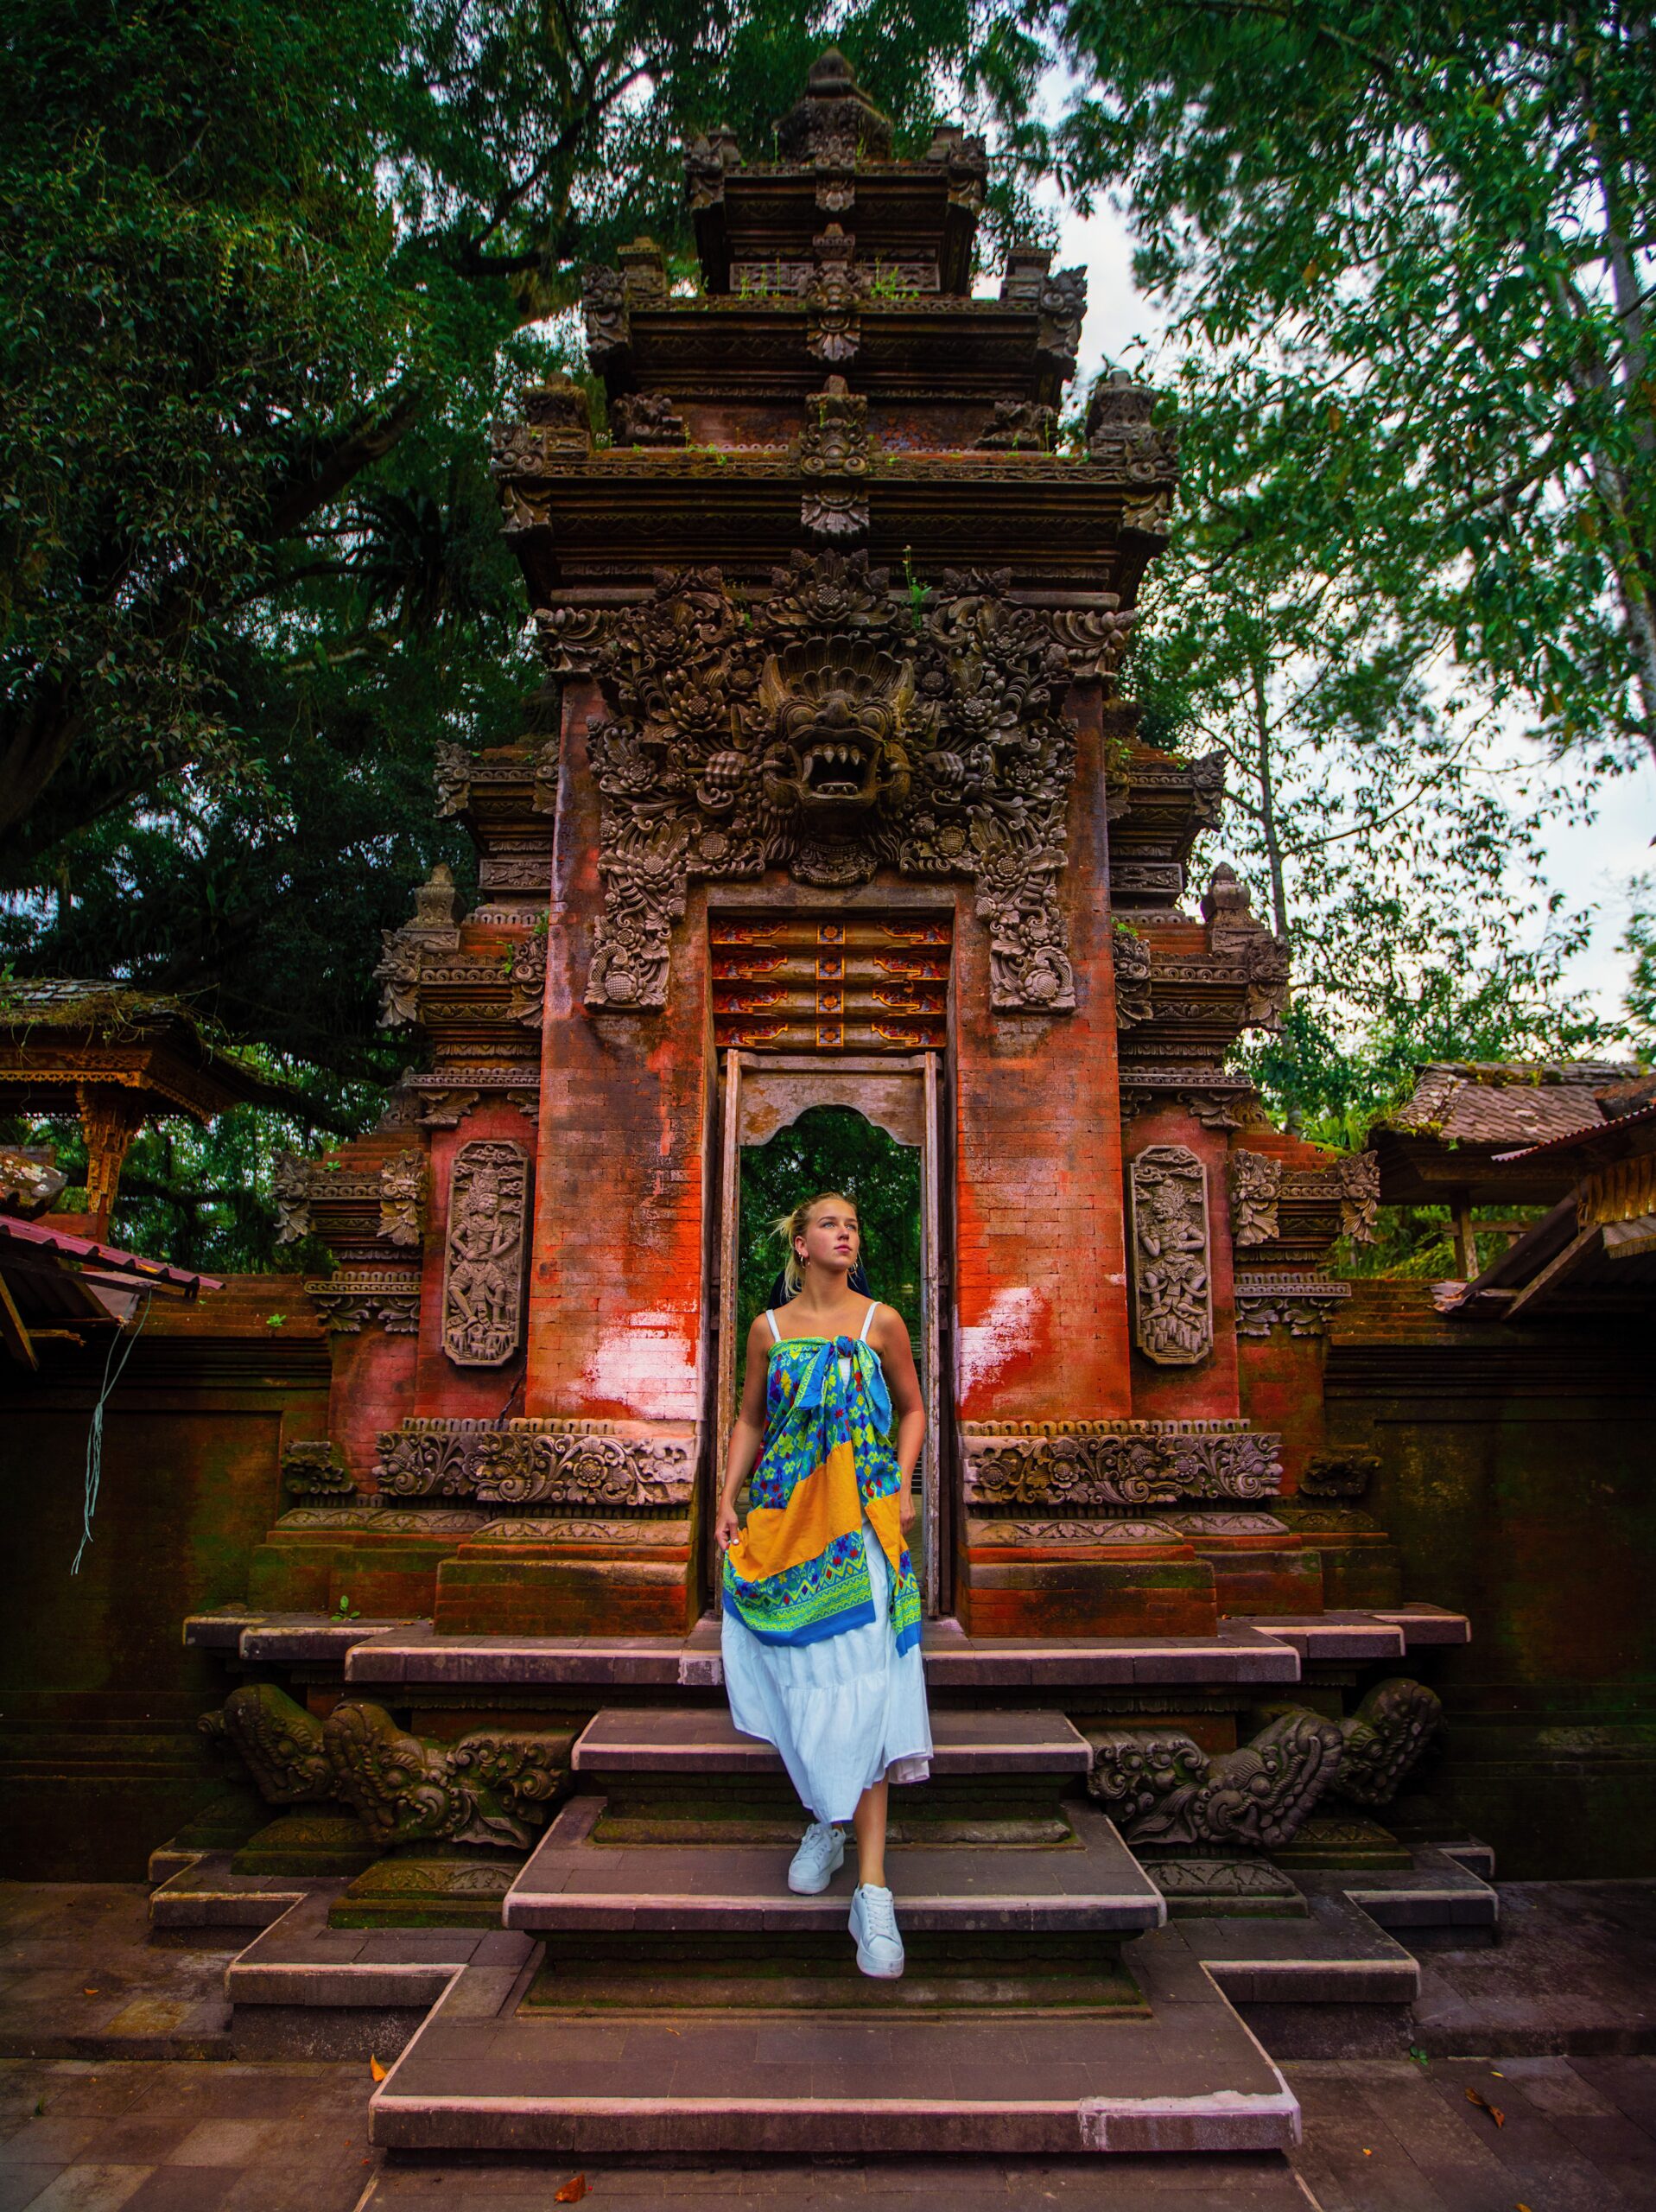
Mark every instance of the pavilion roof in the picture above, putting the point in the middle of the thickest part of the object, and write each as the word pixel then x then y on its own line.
pixel 1479 1132
pixel 57 1033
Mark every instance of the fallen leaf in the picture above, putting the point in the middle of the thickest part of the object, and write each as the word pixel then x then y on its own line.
pixel 1477 2097
pixel 378 2071
pixel 1369 2154
pixel 89 1992
pixel 1496 2071
pixel 571 2192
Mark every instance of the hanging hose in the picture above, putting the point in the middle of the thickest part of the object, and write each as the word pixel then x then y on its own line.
pixel 95 1435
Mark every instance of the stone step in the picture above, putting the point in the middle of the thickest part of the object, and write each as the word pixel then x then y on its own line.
pixel 683 1740
pixel 482 2076
pixel 206 1893
pixel 575 1884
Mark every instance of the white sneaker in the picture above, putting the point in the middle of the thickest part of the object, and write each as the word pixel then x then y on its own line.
pixel 873 1923
pixel 820 1856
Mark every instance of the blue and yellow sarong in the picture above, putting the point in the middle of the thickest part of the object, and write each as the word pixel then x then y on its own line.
pixel 798 1570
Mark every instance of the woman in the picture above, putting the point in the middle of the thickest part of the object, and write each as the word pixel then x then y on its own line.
pixel 822 1633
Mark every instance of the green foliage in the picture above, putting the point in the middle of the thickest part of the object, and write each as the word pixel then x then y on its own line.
pixel 1414 243
pixel 272 271
pixel 1640 943
pixel 831 1149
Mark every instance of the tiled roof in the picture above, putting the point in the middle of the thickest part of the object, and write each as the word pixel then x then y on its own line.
pixel 1509 1103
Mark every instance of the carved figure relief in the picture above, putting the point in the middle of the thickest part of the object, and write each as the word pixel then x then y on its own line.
pixel 1173 1295
pixel 829 728
pixel 483 1266
pixel 401 1191
pixel 834 458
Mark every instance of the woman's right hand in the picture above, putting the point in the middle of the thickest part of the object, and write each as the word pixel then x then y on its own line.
pixel 727 1527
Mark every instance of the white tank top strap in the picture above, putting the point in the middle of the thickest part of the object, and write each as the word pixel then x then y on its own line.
pixel 862 1333
pixel 775 1334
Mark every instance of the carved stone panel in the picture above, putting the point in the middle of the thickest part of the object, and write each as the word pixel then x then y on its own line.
pixel 482 1264
pixel 1173 1295
pixel 1255 1195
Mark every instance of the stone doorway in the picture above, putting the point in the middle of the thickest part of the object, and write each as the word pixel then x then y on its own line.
pixel 816 1120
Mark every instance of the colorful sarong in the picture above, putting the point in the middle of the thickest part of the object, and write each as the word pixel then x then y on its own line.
pixel 798 1570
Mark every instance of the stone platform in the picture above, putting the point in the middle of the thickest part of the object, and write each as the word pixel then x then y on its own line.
pixel 385 1656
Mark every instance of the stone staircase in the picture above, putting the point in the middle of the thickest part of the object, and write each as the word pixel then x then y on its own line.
pixel 686 2002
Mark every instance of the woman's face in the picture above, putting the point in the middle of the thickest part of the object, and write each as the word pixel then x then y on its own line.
pixel 830 1239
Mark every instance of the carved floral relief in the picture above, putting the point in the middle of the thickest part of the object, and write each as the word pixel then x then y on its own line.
pixel 483 1265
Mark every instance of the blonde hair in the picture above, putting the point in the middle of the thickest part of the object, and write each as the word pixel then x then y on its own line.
pixel 790 1225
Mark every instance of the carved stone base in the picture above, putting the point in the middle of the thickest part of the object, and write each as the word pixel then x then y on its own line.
pixel 1360 1565
pixel 325 1840
pixel 1062 1590
pixel 520 1591
pixel 1259 1565
pixel 1198 1887
pixel 429 1886
pixel 1337 1839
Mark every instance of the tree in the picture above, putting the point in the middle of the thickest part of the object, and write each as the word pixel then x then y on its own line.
pixel 1397 846
pixel 270 271
pixel 1422 237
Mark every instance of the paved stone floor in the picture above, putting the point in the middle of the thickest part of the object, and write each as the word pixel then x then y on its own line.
pixel 114 2093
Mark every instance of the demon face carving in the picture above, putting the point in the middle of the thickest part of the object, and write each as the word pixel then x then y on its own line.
pixel 842 712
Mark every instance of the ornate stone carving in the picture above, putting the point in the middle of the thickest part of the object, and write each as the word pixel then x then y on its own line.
pixel 280 1742
pixel 484 1788
pixel 484 1256
pixel 1121 437
pixel 585 1463
pixel 493 1786
pixel 1238 937
pixel 1020 426
pixel 834 459
pixel 349 1302
pixel 559 414
pixel 645 419
pixel 1384 1738
pixel 604 312
pixel 1345 1472
pixel 1300 1303
pixel 600 1472
pixel 1358 1177
pixel 1172 1294
pixel 1166 1789
pixel 831 728
pixel 1204 1878
pixel 315 1470
pixel 402 1194
pixel 1118 1464
pixel 836 123
pixel 833 298
pixel 1094 638
pixel 707 160
pixel 1133 965
pixel 1255 1188
pixel 1061 304
pixel 290 1188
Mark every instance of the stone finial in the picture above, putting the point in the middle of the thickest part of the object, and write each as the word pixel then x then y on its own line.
pixel 559 405
pixel 836 123
pixel 436 902
pixel 644 271
pixel 1226 901
pixel 1118 398
pixel 1027 269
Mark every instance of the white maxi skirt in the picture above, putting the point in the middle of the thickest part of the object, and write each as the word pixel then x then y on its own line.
pixel 844 1711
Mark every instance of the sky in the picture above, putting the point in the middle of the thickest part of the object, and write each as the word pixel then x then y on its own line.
pixel 1593 863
